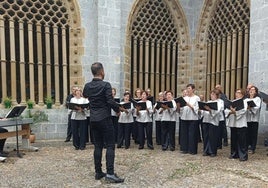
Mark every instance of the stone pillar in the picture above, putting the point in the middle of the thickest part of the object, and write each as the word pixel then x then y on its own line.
pixel 223 65
pixel 3 57
pixel 56 65
pixel 163 65
pixel 135 62
pixel 228 67
pixel 13 62
pixel 173 68
pixel 40 65
pixel 233 63
pixel 64 62
pixel 31 61
pixel 151 75
pixel 22 64
pixel 168 67
pixel 157 71
pixel 48 59
pixel 146 65
pixel 140 75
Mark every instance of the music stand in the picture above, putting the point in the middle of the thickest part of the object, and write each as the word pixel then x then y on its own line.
pixel 15 112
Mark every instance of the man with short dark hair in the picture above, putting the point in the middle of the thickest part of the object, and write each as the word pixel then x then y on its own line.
pixel 99 93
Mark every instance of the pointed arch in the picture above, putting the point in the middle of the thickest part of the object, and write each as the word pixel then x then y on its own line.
pixel 221 46
pixel 41 51
pixel 181 52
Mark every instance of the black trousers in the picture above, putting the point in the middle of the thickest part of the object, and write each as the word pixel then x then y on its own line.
pixel 210 138
pixel 239 147
pixel 103 132
pixel 189 139
pixel 158 132
pixel 89 137
pixel 134 131
pixel 2 141
pixel 115 123
pixel 222 132
pixel 79 128
pixel 69 128
pixel 252 135
pixel 124 130
pixel 168 132
pixel 145 128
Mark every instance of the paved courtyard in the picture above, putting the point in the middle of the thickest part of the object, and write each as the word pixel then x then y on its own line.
pixel 57 164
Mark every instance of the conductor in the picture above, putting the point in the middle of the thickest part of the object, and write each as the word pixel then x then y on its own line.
pixel 99 93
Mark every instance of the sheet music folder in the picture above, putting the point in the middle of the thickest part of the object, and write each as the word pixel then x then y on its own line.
pixel 181 101
pixel 211 105
pixel 168 103
pixel 238 104
pixel 73 106
pixel 15 111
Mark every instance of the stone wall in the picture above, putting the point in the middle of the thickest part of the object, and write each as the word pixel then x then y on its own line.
pixel 258 59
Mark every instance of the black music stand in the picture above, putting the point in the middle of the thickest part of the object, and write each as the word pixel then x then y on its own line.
pixel 15 112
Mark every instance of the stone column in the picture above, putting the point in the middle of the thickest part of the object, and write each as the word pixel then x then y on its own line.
pixel 223 59
pixel 168 72
pixel 146 65
pixel 140 73
pixel 3 57
pixel 173 68
pixel 48 59
pixel 152 76
pixel 157 71
pixel 40 64
pixel 135 62
pixel 228 67
pixel 31 61
pixel 208 69
pixel 22 64
pixel 218 62
pixel 239 60
pixel 246 49
pixel 163 65
pixel 64 62
pixel 233 63
pixel 56 66
pixel 213 66
pixel 13 62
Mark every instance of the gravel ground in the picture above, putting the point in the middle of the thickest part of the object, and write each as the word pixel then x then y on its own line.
pixel 57 164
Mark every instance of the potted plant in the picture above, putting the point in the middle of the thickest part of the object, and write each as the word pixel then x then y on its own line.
pixel 7 102
pixel 49 102
pixel 30 104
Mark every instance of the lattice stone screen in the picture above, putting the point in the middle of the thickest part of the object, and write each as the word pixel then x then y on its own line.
pixel 34 38
pixel 228 46
pixel 154 48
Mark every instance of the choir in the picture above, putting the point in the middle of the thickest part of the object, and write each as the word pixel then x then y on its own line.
pixel 197 119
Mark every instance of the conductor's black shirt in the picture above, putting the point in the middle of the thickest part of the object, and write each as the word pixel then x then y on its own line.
pixel 99 94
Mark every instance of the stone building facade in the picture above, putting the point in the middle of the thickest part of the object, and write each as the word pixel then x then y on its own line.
pixel 157 44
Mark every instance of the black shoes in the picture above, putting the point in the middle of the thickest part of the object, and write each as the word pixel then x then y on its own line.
pixel 151 147
pixel 100 175
pixel 113 178
pixel 3 154
pixel 67 140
